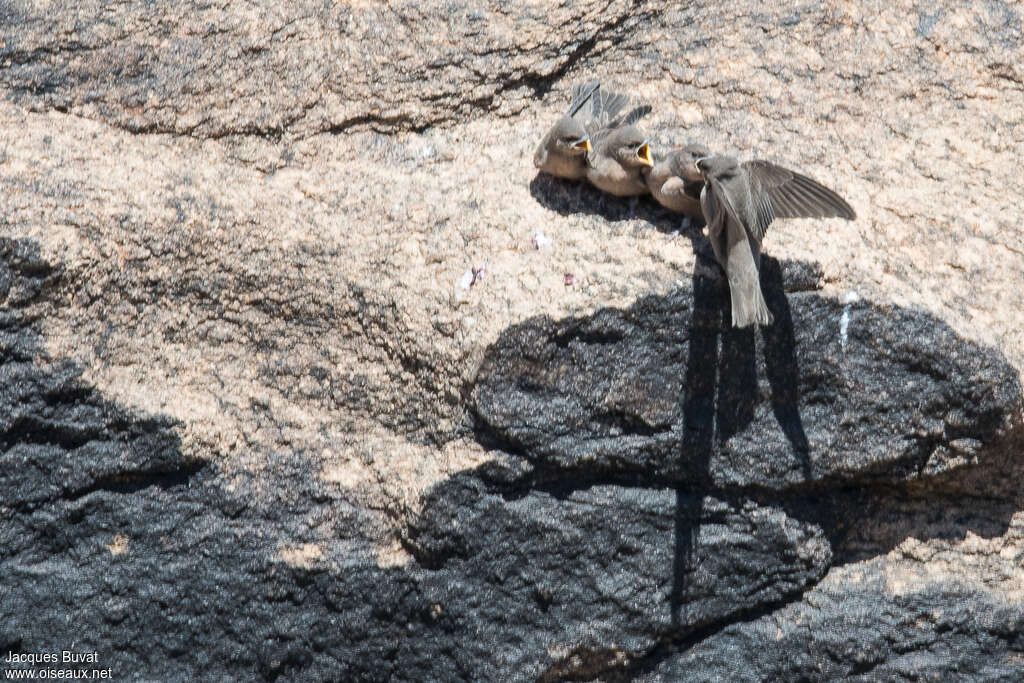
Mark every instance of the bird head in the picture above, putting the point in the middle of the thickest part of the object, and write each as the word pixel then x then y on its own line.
pixel 566 141
pixel 570 137
pixel 683 162
pixel 631 147
pixel 721 167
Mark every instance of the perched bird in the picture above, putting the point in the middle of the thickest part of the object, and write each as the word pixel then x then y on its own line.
pixel 675 182
pixel 739 202
pixel 621 152
pixel 563 150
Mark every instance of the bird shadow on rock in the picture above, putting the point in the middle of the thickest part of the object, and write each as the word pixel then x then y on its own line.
pixel 655 477
pixel 711 473
pixel 579 197
pixel 736 462
pixel 721 391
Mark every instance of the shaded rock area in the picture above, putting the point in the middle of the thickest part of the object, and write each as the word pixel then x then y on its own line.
pixel 669 391
pixel 915 613
pixel 48 412
pixel 978 638
pixel 595 570
pixel 521 568
pixel 252 426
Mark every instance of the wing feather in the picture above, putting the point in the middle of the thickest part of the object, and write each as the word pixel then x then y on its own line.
pixel 737 253
pixel 725 203
pixel 606 106
pixel 636 114
pixel 781 193
pixel 606 114
pixel 581 94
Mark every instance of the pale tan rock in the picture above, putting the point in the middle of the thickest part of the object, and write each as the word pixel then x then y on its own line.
pixel 261 211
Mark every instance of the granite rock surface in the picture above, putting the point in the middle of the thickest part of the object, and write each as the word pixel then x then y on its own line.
pixel 254 425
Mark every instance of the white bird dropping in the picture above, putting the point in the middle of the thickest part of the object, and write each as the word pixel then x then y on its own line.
pixel 844 321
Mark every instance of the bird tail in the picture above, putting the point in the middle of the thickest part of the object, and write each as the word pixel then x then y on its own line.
pixel 749 307
pixel 743 269
pixel 748 304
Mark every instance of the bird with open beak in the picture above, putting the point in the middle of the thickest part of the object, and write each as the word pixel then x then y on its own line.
pixel 739 202
pixel 620 155
pixel 563 150
pixel 675 182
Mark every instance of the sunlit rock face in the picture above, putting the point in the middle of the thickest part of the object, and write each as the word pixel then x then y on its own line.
pixel 308 375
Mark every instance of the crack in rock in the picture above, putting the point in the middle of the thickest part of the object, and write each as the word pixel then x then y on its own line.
pixel 355 67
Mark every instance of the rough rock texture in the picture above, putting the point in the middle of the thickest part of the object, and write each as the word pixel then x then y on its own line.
pixel 303 69
pixel 252 426
pixel 922 587
pixel 668 390
pixel 593 573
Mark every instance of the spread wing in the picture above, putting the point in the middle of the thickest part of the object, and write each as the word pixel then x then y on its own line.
pixel 781 193
pixel 635 115
pixel 605 106
pixel 581 94
pixel 607 114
